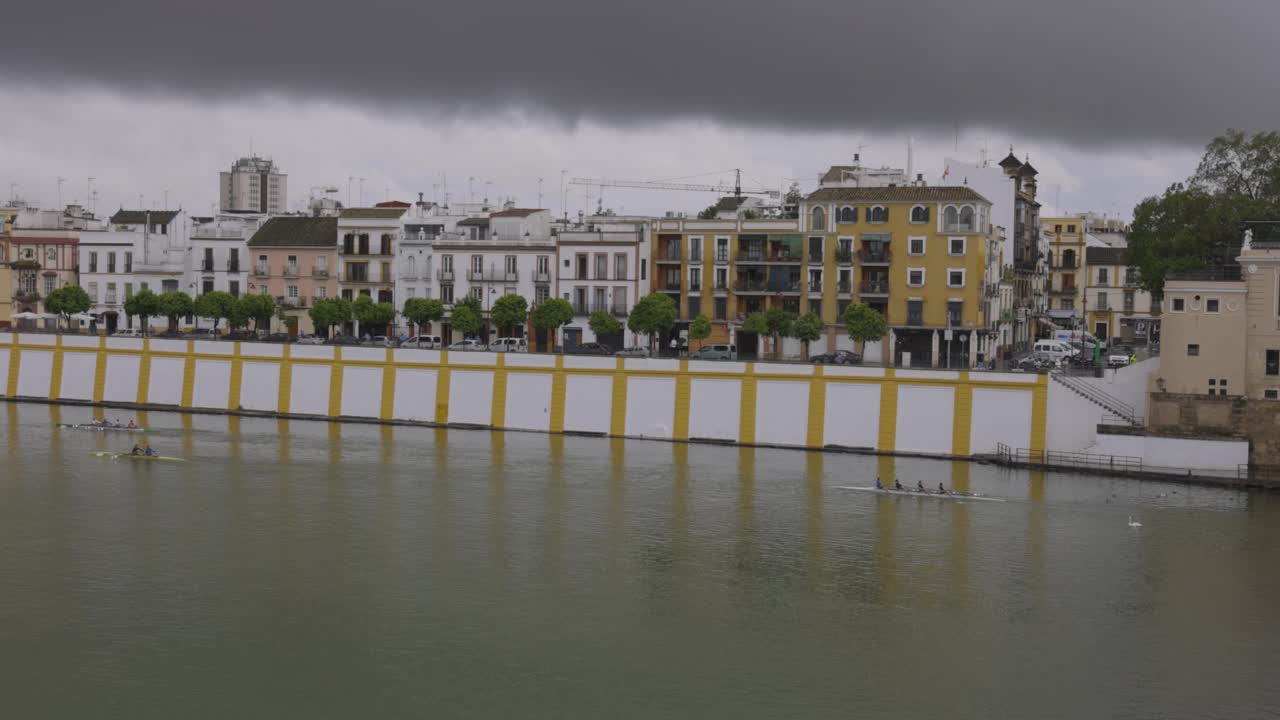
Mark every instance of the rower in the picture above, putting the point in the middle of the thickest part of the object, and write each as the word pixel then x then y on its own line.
pixel 878 485
pixel 136 450
pixel 919 486
pixel 149 452
pixel 897 484
pixel 941 490
pixel 131 425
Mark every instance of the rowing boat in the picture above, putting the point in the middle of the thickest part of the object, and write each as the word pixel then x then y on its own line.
pixel 131 456
pixel 88 426
pixel 917 493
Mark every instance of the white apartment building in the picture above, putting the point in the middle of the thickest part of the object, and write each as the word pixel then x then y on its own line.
pixel 597 267
pixel 220 254
pixel 254 185
pixel 367 241
pixel 139 249
pixel 507 252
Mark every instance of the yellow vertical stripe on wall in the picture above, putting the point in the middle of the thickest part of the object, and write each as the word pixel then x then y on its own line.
pixel 817 408
pixel 286 382
pixel 237 375
pixel 498 413
pixel 618 410
pixel 144 372
pixel 15 356
pixel 335 384
pixel 680 424
pixel 189 375
pixel 747 408
pixel 388 387
pixel 1039 412
pixel 442 389
pixel 558 382
pixel 888 413
pixel 100 371
pixel 962 422
pixel 55 375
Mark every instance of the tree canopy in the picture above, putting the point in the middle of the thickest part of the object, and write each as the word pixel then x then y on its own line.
pixel 422 310
pixel 775 322
pixel 374 317
pixel 214 306
pixel 508 313
pixel 68 301
pixel 700 328
pixel 470 301
pixel 864 323
pixel 806 329
pixel 329 313
pixel 258 307
pixel 602 322
pixel 1200 223
pixel 143 305
pixel 465 320
pixel 654 314
pixel 175 306
pixel 551 314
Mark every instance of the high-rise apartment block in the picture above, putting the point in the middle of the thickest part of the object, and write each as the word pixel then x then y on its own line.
pixel 254 185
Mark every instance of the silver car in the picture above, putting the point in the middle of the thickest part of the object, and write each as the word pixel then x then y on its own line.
pixel 466 345
pixel 715 352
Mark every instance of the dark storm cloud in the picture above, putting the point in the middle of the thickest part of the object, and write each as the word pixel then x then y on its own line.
pixel 1081 71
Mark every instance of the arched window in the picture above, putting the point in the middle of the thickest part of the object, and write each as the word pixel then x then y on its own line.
pixel 878 214
pixel 848 214
pixel 818 219
pixel 410 268
pixel 950 218
pixel 966 218
pixel 919 214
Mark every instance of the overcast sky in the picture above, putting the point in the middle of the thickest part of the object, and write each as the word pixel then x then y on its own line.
pixel 1111 99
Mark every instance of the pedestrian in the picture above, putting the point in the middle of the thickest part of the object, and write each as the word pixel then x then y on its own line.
pixel 674 345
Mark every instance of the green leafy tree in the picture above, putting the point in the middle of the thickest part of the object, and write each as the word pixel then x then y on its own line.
pixel 865 324
pixel 374 317
pixel 238 315
pixel 508 313
pixel 214 306
pixel 708 213
pixel 653 315
pixel 67 301
pixel 779 323
pixel 700 329
pixel 422 310
pixel 602 322
pixel 806 329
pixel 1199 224
pixel 470 301
pixel 143 305
pixel 791 201
pixel 175 306
pixel 329 313
pixel 550 315
pixel 466 321
pixel 258 307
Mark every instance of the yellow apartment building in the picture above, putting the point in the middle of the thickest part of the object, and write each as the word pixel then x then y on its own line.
pixel 1066 268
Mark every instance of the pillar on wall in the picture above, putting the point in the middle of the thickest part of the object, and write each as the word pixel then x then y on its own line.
pixel 887 350
pixel 935 348
pixel 971 349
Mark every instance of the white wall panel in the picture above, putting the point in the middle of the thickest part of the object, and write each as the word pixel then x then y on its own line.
pixel 851 415
pixel 78 369
pixel 471 397
pixel 361 391
pixel 213 378
pixel 588 403
pixel 529 402
pixel 650 406
pixel 166 380
pixel 260 386
pixel 925 415
pixel 1000 416
pixel 715 407
pixel 122 378
pixel 415 395
pixel 34 373
pixel 782 411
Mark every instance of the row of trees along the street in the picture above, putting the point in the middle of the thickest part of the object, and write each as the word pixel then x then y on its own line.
pixel 862 322
pixel 145 304
pixel 1199 223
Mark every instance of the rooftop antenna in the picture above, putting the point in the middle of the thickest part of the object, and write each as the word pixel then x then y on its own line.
pixel 486 191
pixel 539 192
pixel 471 188
pixel 362 179
pixel 60 181
pixel 89 194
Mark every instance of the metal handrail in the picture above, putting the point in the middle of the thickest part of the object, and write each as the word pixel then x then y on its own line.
pixel 1107 401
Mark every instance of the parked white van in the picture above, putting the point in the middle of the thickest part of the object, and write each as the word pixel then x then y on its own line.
pixel 422 342
pixel 1055 349
pixel 509 344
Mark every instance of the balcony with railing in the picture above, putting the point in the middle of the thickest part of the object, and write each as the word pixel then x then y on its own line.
pixel 320 272
pixel 1065 290
pixel 296 301
pixel 695 286
pixel 871 256
pixel 815 287
pixel 1063 264
pixel 290 271
pixel 785 287
pixel 233 266
pixel 844 257
pixel 722 256
pixel 815 257
pixel 874 287
pixel 669 254
pixel 261 270
pixel 721 287
pixel 750 285
pixel 206 266
pixel 444 275
pixel 668 286
pixel 493 275
pixel 542 277
pixel 844 287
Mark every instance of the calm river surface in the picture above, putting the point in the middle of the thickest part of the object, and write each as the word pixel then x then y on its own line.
pixel 311 570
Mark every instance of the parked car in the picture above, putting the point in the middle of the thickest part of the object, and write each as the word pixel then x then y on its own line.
pixel 310 340
pixel 467 345
pixel 634 351
pixel 837 357
pixel 1117 360
pixel 715 352
pixel 509 344
pixel 242 335
pixel 422 342
pixel 127 333
pixel 591 348
pixel 204 334
pixel 170 335
pixel 278 338
pixel 343 340
pixel 1055 349
pixel 379 341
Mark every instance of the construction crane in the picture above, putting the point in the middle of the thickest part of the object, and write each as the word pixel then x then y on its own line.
pixel 659 185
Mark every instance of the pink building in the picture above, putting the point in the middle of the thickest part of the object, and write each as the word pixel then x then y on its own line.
pixel 293 259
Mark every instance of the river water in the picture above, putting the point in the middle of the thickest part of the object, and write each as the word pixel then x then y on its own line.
pixel 315 570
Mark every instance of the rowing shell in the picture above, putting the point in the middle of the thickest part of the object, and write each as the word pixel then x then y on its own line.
pixel 85 426
pixel 917 493
pixel 131 456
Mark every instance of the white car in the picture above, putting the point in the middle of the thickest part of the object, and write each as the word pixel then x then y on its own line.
pixel 509 344
pixel 422 342
pixel 1117 360
pixel 127 333
pixel 467 345
pixel 310 340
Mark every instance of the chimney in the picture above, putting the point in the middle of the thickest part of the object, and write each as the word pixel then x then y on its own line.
pixel 920 180
pixel 856 158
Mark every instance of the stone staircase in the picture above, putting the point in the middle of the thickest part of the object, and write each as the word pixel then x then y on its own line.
pixel 1118 411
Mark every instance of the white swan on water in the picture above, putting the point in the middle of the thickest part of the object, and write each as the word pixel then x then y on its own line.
pixel 1132 523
